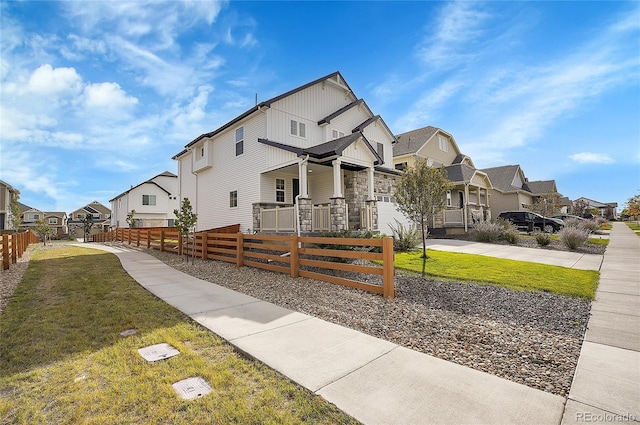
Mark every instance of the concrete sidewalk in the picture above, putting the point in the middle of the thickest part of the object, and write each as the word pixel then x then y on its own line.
pixel 568 259
pixel 606 384
pixel 375 381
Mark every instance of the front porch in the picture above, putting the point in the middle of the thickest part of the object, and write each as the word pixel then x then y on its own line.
pixel 307 217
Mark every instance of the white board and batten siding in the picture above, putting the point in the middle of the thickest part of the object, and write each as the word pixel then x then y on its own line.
pixel 377 133
pixel 309 106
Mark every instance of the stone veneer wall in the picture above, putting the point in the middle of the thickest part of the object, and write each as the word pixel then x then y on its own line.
pixel 338 216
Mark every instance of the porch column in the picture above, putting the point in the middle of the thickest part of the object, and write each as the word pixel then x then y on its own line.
pixel 371 184
pixel 337 179
pixel 466 202
pixel 302 173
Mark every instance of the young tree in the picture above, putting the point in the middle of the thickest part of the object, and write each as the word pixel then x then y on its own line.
pixel 43 230
pixel 130 220
pixel 580 208
pixel 421 194
pixel 632 209
pixel 185 221
pixel 16 214
pixel 87 225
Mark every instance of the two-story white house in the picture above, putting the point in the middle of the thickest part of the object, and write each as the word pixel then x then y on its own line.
pixel 152 201
pixel 312 159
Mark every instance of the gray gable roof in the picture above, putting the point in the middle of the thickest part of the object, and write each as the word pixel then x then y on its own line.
pixel 327 149
pixel 502 177
pixel 412 141
pixel 542 187
pixel 459 172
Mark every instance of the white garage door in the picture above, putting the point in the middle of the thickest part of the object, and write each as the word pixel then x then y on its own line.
pixel 386 214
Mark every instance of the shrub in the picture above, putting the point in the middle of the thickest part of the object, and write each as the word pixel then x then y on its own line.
pixel 590 225
pixel 573 237
pixel 510 232
pixel 543 238
pixel 573 222
pixel 405 238
pixel 488 231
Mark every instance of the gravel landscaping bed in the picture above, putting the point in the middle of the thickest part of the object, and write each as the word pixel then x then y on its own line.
pixel 10 278
pixel 533 338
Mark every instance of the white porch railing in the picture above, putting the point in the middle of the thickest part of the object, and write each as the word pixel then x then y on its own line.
pixel 278 219
pixel 321 218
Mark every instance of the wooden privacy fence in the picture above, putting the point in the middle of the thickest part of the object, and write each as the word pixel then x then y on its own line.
pixel 313 257
pixel 13 245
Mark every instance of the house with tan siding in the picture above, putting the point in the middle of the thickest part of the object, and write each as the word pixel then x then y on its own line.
pixel 100 215
pixel 313 159
pixel 7 195
pixel 468 202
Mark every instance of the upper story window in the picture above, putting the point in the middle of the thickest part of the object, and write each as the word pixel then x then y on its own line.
pixel 233 199
pixel 279 190
pixel 33 216
pixel 239 141
pixel 444 144
pixel 148 199
pixel 401 166
pixel 335 134
pixel 380 150
pixel 298 129
pixel 53 220
pixel 97 215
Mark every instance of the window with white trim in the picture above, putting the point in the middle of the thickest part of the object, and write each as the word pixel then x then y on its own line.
pixel 448 198
pixel 335 134
pixel 33 216
pixel 53 220
pixel 148 199
pixel 239 141
pixel 444 143
pixel 380 150
pixel 279 190
pixel 233 199
pixel 298 129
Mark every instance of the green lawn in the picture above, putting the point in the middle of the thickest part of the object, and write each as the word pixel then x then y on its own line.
pixel 62 359
pixel 633 225
pixel 512 274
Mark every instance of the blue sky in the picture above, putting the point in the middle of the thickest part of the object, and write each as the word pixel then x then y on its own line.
pixel 97 96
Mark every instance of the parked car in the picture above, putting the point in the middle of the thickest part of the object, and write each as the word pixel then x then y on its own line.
pixel 530 221
pixel 567 217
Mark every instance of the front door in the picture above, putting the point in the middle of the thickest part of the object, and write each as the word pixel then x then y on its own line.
pixel 295 183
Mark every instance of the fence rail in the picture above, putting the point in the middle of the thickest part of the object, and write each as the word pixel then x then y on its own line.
pixel 13 245
pixel 313 257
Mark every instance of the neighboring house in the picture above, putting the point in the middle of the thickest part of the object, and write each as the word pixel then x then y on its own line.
pixel 7 195
pixel 56 220
pixel 153 201
pixel 510 191
pixel 99 214
pixel 608 210
pixel 565 205
pixel 468 202
pixel 315 155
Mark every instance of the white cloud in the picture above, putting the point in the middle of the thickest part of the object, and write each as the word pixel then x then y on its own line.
pixel 427 108
pixel 47 81
pixel 458 24
pixel 591 158
pixel 107 96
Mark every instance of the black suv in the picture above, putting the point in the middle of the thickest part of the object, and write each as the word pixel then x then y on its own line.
pixel 531 221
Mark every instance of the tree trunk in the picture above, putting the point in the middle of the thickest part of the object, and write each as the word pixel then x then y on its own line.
pixel 424 238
